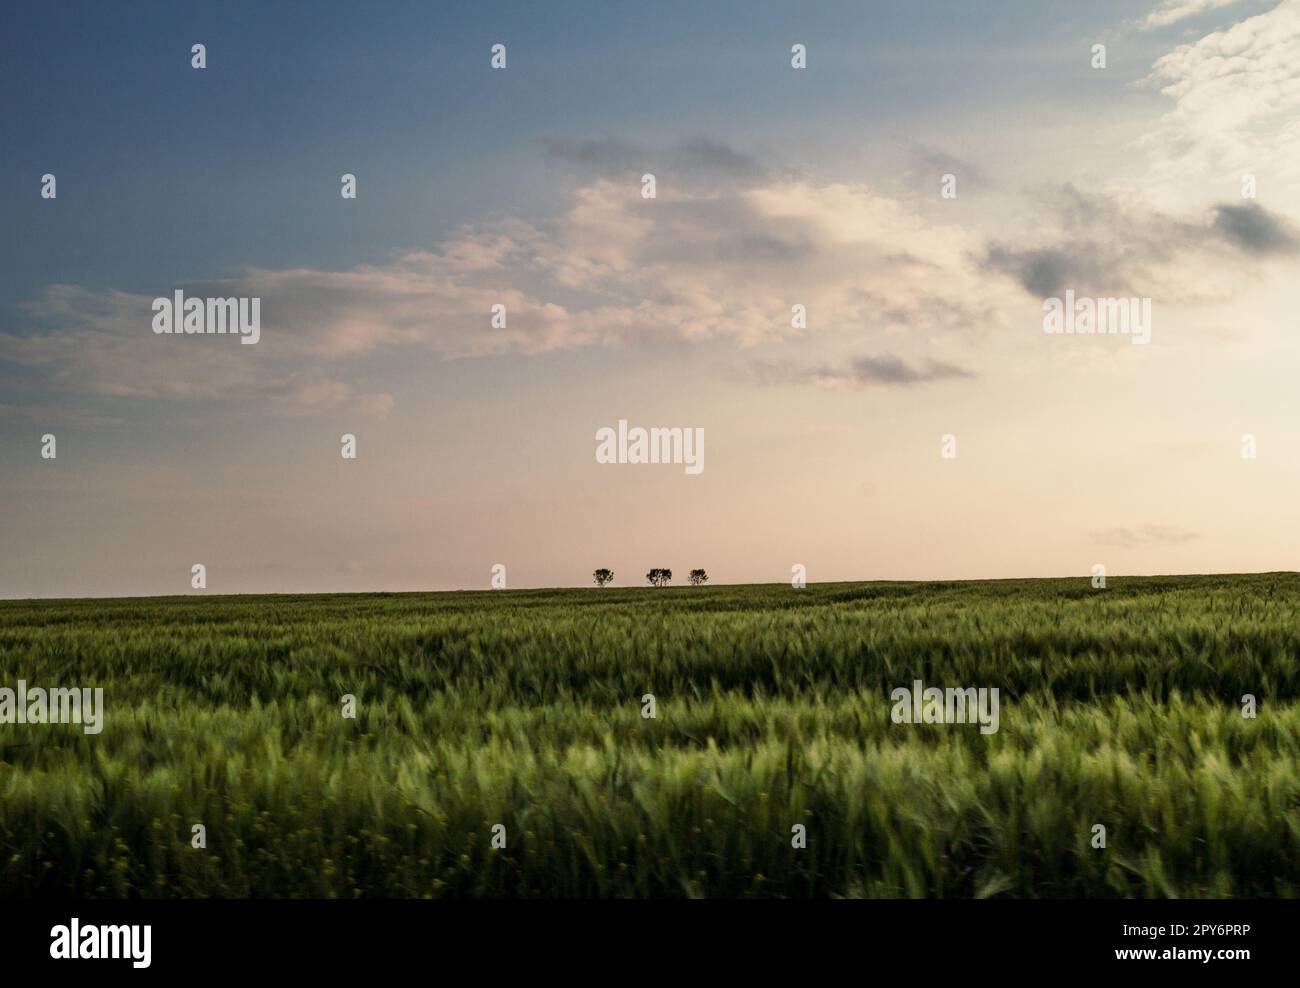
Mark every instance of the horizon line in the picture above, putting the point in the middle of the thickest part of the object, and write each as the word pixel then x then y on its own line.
pixel 684 586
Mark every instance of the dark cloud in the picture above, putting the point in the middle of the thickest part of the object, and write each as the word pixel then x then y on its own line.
pixel 1104 246
pixel 885 370
pixel 1097 246
pixel 699 159
pixel 763 248
pixel 889 369
pixel 706 231
pixel 1253 229
pixel 1047 271
pixel 927 160
pixel 703 156
pixel 603 158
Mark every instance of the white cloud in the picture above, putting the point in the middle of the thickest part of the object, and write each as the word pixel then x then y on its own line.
pixel 1173 11
pixel 1236 98
pixel 612 269
pixel 103 344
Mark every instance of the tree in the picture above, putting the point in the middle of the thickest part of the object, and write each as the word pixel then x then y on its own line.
pixel 659 577
pixel 603 576
pixel 698 576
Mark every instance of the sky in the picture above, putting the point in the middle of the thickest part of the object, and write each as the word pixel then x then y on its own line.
pixel 933 176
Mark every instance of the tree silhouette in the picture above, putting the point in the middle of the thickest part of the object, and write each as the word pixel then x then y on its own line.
pixel 698 576
pixel 603 576
pixel 659 577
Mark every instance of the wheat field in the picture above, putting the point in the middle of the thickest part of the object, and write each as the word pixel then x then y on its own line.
pixel 523 711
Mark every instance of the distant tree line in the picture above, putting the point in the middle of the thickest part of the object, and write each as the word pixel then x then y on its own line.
pixel 657 577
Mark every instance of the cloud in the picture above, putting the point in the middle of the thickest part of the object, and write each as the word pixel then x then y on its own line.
pixel 1173 11
pixel 1107 245
pixel 102 344
pixel 1047 271
pixel 1236 97
pixel 926 159
pixel 693 161
pixel 718 260
pixel 47 415
pixel 887 370
pixel 1254 230
pixel 1144 536
pixel 722 255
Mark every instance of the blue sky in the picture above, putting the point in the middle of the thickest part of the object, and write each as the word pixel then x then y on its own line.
pixel 169 173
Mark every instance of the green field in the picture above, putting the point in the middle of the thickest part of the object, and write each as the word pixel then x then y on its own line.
pixel 1119 707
